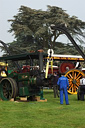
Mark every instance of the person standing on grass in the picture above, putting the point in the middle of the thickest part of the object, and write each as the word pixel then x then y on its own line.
pixel 82 87
pixel 55 86
pixel 64 84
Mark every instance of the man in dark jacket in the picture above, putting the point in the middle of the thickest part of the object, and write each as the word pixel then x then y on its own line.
pixel 64 84
pixel 82 87
pixel 55 86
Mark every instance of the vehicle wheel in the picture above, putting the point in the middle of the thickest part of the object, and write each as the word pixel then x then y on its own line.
pixel 74 77
pixel 65 66
pixel 8 88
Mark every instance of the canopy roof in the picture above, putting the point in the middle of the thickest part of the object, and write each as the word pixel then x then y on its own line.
pixel 22 56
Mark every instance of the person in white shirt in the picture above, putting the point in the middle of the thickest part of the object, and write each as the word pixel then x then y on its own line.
pixel 82 81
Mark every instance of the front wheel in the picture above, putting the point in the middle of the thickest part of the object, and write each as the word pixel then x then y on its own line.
pixel 8 88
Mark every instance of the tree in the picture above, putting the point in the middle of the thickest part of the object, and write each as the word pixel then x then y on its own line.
pixel 32 27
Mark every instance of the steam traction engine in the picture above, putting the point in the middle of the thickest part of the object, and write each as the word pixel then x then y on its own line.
pixel 23 82
pixel 70 65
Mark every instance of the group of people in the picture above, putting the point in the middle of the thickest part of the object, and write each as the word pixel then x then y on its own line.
pixel 62 84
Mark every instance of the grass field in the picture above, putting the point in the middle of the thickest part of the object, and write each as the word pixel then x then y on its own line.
pixel 48 114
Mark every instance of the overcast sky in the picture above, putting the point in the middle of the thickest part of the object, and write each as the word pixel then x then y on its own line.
pixel 9 8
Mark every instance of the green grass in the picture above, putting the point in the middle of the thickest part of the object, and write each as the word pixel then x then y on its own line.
pixel 48 114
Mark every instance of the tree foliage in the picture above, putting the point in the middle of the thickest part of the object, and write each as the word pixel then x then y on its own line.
pixel 31 27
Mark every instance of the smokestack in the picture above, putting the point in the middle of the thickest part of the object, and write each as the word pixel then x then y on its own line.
pixel 40 59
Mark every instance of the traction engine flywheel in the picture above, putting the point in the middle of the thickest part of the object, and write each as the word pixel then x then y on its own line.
pixel 65 66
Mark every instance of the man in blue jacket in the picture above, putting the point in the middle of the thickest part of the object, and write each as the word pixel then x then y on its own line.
pixel 64 84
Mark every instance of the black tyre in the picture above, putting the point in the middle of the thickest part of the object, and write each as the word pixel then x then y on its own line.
pixel 8 88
